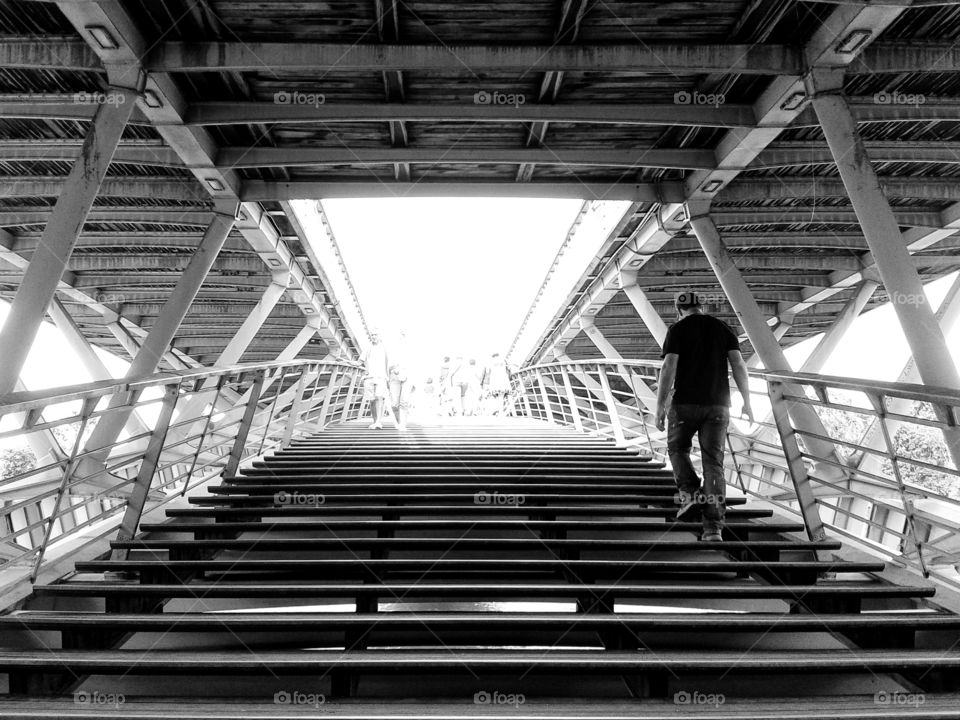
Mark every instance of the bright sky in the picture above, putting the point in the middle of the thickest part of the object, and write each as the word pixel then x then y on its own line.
pixel 458 276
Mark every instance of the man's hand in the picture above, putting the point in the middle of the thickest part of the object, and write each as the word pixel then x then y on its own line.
pixel 661 418
pixel 748 411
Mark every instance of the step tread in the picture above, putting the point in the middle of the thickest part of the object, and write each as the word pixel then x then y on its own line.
pixel 608 526
pixel 276 660
pixel 718 621
pixel 664 545
pixel 401 590
pixel 935 705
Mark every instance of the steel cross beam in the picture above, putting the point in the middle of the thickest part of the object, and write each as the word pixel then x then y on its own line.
pixel 685 58
pixel 193 145
pixel 777 107
pixel 571 15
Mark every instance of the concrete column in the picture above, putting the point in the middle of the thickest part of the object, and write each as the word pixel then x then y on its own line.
pixel 645 309
pixel 46 267
pixel 764 342
pixel 928 346
pixel 161 334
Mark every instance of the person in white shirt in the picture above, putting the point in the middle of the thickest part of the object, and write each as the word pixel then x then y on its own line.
pixel 375 386
pixel 399 383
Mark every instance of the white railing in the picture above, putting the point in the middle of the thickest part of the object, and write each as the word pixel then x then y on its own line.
pixel 872 467
pixel 186 428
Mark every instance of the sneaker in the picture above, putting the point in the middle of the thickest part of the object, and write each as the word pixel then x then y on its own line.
pixel 376 426
pixel 690 507
pixel 711 537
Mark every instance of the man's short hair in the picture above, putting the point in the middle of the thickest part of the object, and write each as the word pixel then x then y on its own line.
pixel 688 299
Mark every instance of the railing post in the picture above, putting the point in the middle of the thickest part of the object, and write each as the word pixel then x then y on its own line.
pixel 206 429
pixel 908 511
pixel 349 401
pixel 295 409
pixel 547 409
pixel 795 466
pixel 89 405
pixel 148 467
pixel 243 430
pixel 611 404
pixel 571 398
pixel 525 397
pixel 328 397
pixel 271 413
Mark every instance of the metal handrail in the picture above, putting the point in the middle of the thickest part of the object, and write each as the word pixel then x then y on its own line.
pixel 840 496
pixel 127 476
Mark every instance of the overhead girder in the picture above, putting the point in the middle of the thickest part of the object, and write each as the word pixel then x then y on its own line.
pixel 793 215
pixel 294 157
pixel 143 152
pixel 85 262
pixel 126 241
pixel 765 261
pixel 165 280
pixel 211 309
pixel 774 110
pixel 658 58
pixel 133 215
pixel 796 188
pixel 280 190
pixel 12 186
pixel 197 148
pixel 793 154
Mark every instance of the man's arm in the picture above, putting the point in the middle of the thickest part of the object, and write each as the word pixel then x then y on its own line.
pixel 742 380
pixel 667 375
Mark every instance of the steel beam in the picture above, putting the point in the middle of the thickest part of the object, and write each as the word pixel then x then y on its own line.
pixel 789 188
pixel 624 158
pixel 818 215
pixel 764 343
pixel 279 190
pixel 645 309
pixel 881 230
pixel 65 223
pixel 924 335
pixel 793 154
pixel 149 354
pixel 14 186
pixel 640 388
pixel 680 58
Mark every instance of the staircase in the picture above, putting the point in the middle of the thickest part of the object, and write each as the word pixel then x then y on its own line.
pixel 515 568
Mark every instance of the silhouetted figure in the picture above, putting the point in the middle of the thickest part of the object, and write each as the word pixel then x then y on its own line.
pixel 696 352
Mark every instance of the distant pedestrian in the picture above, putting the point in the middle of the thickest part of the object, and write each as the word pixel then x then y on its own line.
pixel 696 353
pixel 375 382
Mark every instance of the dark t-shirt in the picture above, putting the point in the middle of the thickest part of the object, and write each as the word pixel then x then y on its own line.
pixel 702 343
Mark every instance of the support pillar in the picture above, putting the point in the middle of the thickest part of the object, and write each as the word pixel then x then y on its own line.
pixel 928 346
pixel 160 336
pixel 764 342
pixel 43 274
pixel 84 350
pixel 640 388
pixel 645 309
pixel 839 327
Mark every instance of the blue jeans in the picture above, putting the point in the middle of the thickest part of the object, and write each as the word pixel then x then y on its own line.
pixel 709 423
